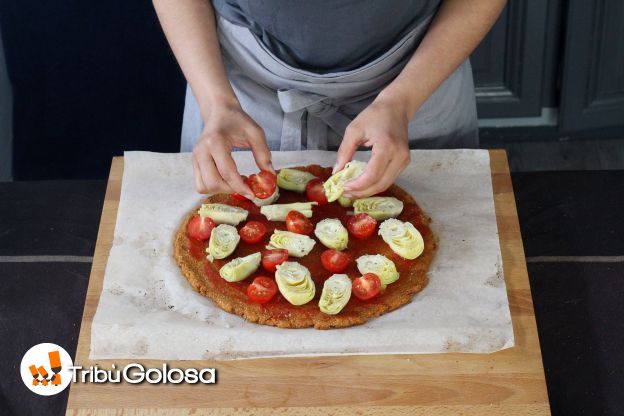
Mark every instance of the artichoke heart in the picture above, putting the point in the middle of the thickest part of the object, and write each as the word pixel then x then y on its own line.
pixel 223 214
pixel 332 233
pixel 380 265
pixel 266 201
pixel 379 207
pixel 333 185
pixel 240 268
pixel 336 293
pixel 278 212
pixel 295 283
pixel 223 240
pixel 345 202
pixel 298 245
pixel 293 179
pixel 402 237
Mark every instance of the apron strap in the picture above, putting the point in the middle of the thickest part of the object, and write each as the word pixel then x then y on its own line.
pixel 322 113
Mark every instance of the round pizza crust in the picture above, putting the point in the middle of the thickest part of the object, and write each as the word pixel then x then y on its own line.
pixel 231 297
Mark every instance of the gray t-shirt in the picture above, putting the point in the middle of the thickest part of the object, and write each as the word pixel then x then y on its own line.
pixel 327 35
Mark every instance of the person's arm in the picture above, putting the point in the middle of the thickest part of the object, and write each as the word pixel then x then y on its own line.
pixel 190 28
pixel 455 31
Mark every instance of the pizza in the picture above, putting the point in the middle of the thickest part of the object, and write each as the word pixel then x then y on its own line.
pixel 301 255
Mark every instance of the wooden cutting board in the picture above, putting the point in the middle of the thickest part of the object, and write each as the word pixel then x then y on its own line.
pixel 509 382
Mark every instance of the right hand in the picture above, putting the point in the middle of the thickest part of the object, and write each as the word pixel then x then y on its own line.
pixel 215 170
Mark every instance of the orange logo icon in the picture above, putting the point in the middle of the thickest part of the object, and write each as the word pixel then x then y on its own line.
pixel 55 366
pixel 45 369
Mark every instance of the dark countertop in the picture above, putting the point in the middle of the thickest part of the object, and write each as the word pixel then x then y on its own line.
pixel 572 228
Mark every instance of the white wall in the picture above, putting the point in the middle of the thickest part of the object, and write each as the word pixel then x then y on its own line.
pixel 6 117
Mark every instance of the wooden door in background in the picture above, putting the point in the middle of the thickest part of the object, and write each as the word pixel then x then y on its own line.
pixel 592 94
pixel 508 65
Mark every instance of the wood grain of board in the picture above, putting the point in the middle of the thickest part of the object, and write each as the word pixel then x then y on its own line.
pixel 509 382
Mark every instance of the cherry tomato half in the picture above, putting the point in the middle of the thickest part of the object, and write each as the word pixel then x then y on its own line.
pixel 335 261
pixel 361 225
pixel 262 289
pixel 272 258
pixel 262 184
pixel 252 232
pixel 315 191
pixel 200 228
pixel 298 223
pixel 366 287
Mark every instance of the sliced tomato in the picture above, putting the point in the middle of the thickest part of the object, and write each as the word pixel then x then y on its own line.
pixel 262 289
pixel 252 232
pixel 272 258
pixel 315 191
pixel 335 261
pixel 262 184
pixel 361 225
pixel 200 228
pixel 367 286
pixel 298 223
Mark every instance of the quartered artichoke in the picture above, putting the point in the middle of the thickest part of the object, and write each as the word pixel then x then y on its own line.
pixel 332 233
pixel 223 240
pixel 278 212
pixel 240 268
pixel 379 207
pixel 402 237
pixel 380 265
pixel 293 179
pixel 223 214
pixel 334 185
pixel 294 282
pixel 336 293
pixel 298 245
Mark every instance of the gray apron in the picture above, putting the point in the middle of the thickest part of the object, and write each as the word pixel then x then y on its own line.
pixel 299 109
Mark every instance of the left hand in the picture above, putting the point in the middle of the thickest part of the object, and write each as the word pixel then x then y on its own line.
pixel 382 126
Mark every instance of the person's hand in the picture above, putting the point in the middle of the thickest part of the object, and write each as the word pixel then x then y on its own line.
pixel 382 126
pixel 215 170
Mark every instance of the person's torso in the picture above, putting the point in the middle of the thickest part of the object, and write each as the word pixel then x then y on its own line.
pixel 327 35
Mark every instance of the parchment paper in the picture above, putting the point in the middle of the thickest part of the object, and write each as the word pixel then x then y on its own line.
pixel 147 309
